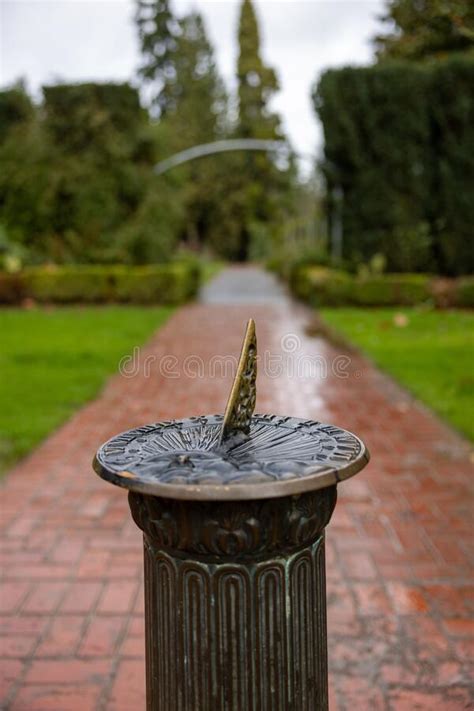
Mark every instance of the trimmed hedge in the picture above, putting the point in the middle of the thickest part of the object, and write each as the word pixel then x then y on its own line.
pixel 399 162
pixel 320 286
pixel 172 283
pixel 167 284
pixel 68 284
pixel 403 289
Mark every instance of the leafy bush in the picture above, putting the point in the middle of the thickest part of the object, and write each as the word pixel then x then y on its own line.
pixel 12 288
pixel 151 235
pixel 277 265
pixel 75 171
pixel 172 283
pixel 100 166
pixel 319 285
pixel 464 292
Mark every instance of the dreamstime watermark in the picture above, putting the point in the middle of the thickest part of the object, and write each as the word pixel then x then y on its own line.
pixel 289 362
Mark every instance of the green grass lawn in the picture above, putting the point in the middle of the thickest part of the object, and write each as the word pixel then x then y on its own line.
pixel 432 355
pixel 54 360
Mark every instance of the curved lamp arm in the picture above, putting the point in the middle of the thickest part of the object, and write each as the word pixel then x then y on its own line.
pixel 206 149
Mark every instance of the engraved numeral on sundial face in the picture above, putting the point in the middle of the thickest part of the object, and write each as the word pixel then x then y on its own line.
pixel 241 402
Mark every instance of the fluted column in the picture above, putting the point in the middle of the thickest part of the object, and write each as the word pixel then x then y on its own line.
pixel 235 602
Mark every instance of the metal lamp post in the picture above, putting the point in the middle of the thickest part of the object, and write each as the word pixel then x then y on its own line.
pixel 233 510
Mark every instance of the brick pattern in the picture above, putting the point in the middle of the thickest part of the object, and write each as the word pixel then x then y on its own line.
pixel 399 597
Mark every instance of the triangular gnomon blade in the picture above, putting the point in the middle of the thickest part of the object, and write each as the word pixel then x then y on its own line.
pixel 241 402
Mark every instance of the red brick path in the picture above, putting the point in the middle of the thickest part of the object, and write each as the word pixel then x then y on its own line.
pixel 400 632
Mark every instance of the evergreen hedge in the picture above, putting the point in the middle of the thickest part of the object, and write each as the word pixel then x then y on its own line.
pixel 399 142
pixel 172 283
pixel 320 286
pixel 451 100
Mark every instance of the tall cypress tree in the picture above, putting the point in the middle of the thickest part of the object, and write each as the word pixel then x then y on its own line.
pixel 158 30
pixel 198 117
pixel 199 94
pixel 178 64
pixel 257 188
pixel 257 83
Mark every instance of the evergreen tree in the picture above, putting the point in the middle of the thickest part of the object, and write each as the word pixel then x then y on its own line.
pixel 231 201
pixel 73 171
pixel 189 96
pixel 256 188
pixel 158 30
pixel 257 83
pixel 200 100
pixel 426 28
pixel 198 117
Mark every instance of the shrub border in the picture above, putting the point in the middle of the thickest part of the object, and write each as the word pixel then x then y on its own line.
pixel 321 286
pixel 167 284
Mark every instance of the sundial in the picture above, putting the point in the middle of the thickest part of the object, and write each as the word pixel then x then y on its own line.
pixel 233 510
pixel 235 456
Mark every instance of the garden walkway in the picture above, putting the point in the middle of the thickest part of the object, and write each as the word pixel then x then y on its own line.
pixel 398 545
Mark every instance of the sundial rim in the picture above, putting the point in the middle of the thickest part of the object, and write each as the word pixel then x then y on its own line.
pixel 149 460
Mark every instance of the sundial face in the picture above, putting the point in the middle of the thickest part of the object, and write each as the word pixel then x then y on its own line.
pixel 236 456
pixel 184 458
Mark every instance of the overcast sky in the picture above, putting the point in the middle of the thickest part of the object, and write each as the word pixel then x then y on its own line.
pixel 46 41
